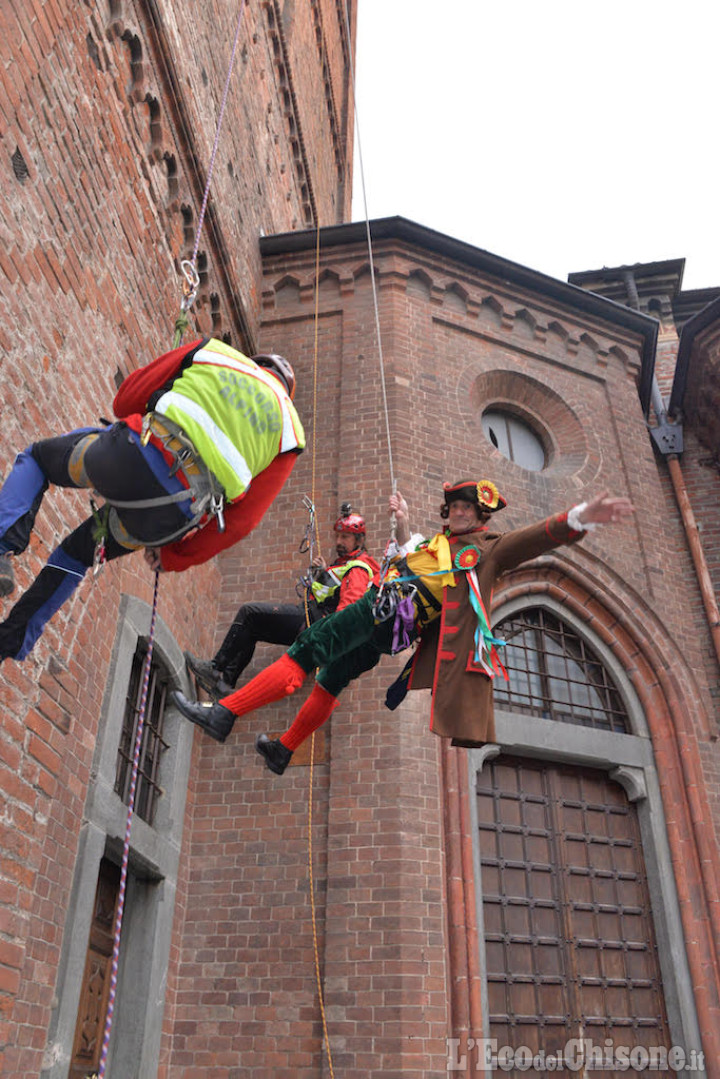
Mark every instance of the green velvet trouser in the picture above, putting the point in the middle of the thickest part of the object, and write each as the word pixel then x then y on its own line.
pixel 344 645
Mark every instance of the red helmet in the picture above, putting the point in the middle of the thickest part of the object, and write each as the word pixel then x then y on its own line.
pixel 349 521
pixel 278 366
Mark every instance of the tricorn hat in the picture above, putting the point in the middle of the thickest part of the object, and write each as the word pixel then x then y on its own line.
pixel 481 493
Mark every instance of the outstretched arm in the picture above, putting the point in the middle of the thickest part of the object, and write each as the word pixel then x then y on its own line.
pixel 522 544
pixel 604 510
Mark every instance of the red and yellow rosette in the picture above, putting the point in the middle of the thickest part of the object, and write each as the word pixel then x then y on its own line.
pixel 467 558
pixel 488 494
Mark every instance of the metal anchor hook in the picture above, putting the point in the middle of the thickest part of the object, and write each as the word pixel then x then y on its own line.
pixel 190 285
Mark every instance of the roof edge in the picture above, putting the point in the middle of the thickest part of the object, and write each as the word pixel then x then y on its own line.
pixel 401 228
pixel 694 326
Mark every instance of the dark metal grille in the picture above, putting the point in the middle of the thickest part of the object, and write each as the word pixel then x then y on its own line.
pixel 148 789
pixel 555 674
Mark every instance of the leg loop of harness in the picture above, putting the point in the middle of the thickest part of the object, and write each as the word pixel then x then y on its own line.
pixel 76 461
pixel 396 600
pixel 204 491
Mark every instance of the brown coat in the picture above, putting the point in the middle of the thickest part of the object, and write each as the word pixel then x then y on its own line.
pixel 462 693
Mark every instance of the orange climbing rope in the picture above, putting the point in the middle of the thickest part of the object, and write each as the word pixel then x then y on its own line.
pixel 313 914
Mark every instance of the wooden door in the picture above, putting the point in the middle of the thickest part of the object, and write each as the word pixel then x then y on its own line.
pixel 92 1009
pixel 569 939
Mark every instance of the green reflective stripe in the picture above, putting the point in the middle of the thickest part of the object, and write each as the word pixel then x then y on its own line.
pixel 322 589
pixel 326 586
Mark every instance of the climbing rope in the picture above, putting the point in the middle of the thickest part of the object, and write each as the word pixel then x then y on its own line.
pixel 386 593
pixel 313 530
pixel 191 281
pixel 313 458
pixel 316 950
pixel 378 336
pixel 126 845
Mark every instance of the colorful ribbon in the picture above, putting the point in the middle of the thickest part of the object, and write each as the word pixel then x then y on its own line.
pixel 486 644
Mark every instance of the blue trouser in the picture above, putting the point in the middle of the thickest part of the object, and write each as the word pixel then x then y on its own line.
pixel 120 469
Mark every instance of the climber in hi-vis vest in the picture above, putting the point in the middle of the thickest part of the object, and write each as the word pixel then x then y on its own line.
pixel 329 588
pixel 205 442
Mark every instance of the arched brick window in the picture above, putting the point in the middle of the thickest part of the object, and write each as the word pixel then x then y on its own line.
pixel 555 674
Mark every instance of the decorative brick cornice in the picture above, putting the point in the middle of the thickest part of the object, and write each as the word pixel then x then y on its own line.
pixel 171 138
pixel 334 122
pixel 291 113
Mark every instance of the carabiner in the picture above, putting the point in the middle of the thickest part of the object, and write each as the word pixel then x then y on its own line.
pixel 190 285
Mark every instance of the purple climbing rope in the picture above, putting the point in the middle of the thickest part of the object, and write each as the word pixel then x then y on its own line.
pixel 128 826
pixel 217 135
pixel 148 660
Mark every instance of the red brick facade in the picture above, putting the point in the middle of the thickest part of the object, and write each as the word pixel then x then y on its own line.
pixel 108 116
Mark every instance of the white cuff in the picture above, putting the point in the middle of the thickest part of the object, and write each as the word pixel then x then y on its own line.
pixel 409 547
pixel 574 522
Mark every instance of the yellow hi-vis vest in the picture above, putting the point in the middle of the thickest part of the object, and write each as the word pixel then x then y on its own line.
pixel 330 580
pixel 237 415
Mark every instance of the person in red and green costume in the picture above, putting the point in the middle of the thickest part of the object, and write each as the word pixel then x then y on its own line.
pixel 331 588
pixel 205 441
pixel 454 572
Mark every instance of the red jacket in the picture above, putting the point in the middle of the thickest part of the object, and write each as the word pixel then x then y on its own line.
pixel 356 581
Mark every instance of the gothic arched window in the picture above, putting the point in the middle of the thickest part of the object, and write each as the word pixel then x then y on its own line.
pixel 555 674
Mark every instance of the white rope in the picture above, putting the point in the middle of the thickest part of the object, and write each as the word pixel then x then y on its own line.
pixel 393 481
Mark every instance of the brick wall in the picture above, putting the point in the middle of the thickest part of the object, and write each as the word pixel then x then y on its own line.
pixel 453 339
pixel 108 113
pixel 107 118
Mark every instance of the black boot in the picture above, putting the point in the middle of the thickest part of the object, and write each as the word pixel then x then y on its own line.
pixel 277 756
pixel 214 719
pixel 208 676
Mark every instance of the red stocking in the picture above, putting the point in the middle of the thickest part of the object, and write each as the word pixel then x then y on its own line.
pixel 314 712
pixel 278 680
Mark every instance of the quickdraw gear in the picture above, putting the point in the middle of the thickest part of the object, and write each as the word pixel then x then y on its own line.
pixel 303 588
pixel 389 596
pixel 217 501
pixel 99 558
pixel 190 284
pixel 308 541
pixel 100 533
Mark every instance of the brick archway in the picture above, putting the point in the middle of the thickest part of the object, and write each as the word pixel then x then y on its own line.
pixel 676 719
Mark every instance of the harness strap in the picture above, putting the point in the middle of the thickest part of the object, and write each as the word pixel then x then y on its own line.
pixel 422 588
pixel 147 503
pixel 124 538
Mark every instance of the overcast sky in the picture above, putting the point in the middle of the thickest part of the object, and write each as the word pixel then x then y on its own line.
pixel 562 135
